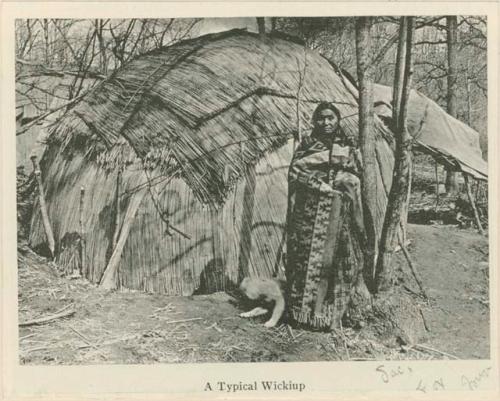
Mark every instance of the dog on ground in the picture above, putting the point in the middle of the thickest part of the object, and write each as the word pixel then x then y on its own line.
pixel 267 290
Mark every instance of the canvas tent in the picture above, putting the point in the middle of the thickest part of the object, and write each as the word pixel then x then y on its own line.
pixel 435 132
pixel 203 133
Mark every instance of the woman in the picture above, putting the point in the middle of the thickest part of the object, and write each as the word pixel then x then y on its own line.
pixel 324 224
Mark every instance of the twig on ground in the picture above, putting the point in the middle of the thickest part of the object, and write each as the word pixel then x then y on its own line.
pixel 163 308
pixel 111 342
pixel 82 336
pixel 92 345
pixel 426 326
pixel 298 335
pixel 426 348
pixel 345 342
pixel 215 327
pixel 290 331
pixel 183 320
pixel 26 336
pixel 58 315
pixel 38 349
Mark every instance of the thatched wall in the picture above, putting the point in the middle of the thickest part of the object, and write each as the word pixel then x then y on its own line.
pixel 152 260
pixel 200 113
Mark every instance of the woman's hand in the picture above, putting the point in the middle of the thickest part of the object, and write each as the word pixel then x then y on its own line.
pixel 326 189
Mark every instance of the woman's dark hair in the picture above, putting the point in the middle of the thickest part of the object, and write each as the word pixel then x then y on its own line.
pixel 326 106
pixel 349 140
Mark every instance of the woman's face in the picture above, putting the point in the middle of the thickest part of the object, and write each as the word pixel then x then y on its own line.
pixel 326 121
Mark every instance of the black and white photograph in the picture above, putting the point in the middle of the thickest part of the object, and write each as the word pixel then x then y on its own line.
pixel 226 190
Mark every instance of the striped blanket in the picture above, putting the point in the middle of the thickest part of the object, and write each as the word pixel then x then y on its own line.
pixel 324 256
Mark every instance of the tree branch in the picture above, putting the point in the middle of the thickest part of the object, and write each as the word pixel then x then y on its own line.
pixel 37 120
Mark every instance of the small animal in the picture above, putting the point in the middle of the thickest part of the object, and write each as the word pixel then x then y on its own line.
pixel 267 290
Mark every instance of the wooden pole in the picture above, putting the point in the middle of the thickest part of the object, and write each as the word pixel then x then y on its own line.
pixel 117 207
pixel 406 206
pixel 478 186
pixel 82 235
pixel 247 223
pixel 437 185
pixel 43 206
pixel 413 269
pixel 473 204
pixel 217 224
pixel 261 25
pixel 109 280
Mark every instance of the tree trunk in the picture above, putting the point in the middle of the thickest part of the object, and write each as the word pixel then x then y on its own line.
pixel 261 24
pixel 399 190
pixel 469 101
pixel 399 73
pixel 367 139
pixel 46 41
pixel 397 93
pixel 451 99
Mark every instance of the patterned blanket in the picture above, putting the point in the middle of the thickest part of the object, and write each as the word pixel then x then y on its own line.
pixel 324 256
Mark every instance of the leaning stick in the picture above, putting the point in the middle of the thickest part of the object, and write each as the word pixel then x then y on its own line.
pixel 117 207
pixel 109 278
pixel 473 204
pixel 82 234
pixel 43 206
pixel 416 276
pixel 437 186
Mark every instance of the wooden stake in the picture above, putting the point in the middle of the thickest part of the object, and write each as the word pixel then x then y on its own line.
pixel 216 221
pixel 109 280
pixel 416 276
pixel 437 185
pixel 117 207
pixel 478 186
pixel 473 204
pixel 406 206
pixel 43 207
pixel 247 218
pixel 82 235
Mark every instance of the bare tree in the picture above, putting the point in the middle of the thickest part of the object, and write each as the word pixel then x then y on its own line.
pixel 451 35
pixel 398 196
pixel 75 54
pixel 366 132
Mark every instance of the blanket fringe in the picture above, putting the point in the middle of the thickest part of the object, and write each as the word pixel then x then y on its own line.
pixel 317 321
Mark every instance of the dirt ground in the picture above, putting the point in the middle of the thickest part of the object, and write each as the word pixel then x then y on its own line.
pixel 139 328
